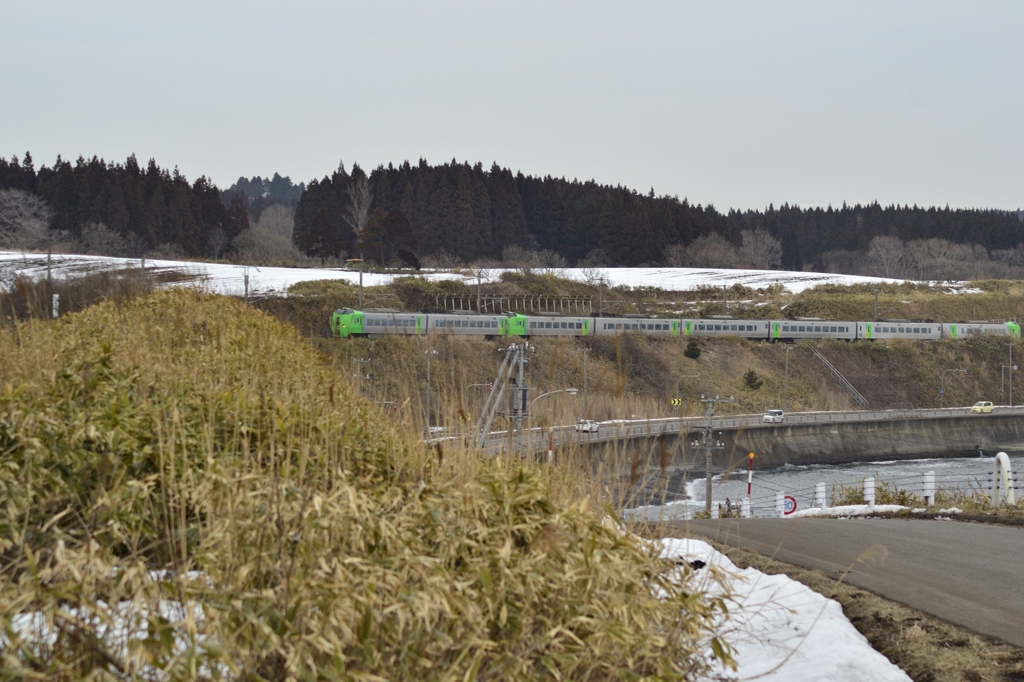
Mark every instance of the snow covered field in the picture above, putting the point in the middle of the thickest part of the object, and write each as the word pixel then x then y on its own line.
pixel 230 279
pixel 781 630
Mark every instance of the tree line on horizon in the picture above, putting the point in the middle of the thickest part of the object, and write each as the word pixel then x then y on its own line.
pixel 461 213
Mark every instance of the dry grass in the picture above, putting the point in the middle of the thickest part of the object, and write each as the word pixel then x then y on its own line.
pixel 189 491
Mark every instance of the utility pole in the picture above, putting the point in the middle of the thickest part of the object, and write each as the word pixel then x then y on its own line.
pixel 586 414
pixel 876 304
pixel 478 285
pixel 785 382
pixel 709 444
pixel 359 374
pixel 725 305
pixel 429 354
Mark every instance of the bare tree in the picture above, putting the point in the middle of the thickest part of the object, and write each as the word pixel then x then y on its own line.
pixel 711 251
pixel 216 242
pixel 675 255
pixel 844 261
pixel 25 220
pixel 100 240
pixel 886 253
pixel 277 218
pixel 526 260
pixel 269 240
pixel 360 197
pixel 761 249
pixel 939 259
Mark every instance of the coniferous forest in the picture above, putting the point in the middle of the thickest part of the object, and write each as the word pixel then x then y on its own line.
pixel 400 214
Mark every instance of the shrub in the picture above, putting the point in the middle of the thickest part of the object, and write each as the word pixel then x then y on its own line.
pixel 188 490
pixel 751 380
pixel 692 349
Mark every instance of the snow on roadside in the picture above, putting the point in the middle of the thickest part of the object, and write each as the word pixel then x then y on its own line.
pixel 848 510
pixel 230 279
pixel 781 630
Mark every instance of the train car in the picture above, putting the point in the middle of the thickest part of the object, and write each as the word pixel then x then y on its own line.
pixel 470 324
pixel 750 329
pixel 346 322
pixel 880 329
pixel 609 326
pixel 959 330
pixel 559 325
pixel 794 330
pixel 381 322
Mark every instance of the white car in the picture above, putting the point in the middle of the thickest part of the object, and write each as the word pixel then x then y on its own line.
pixel 774 417
pixel 587 426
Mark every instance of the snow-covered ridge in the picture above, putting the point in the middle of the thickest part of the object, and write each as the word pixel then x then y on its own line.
pixel 230 279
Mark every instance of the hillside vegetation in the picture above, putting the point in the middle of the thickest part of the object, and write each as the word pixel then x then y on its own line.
pixel 188 490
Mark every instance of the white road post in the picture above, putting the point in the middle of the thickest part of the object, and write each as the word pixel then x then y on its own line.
pixel 745 509
pixel 869 491
pixel 928 488
pixel 1002 482
pixel 780 504
pixel 819 495
pixel 714 511
pixel 56 306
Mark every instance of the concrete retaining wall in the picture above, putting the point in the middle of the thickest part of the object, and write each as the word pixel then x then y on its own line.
pixel 866 441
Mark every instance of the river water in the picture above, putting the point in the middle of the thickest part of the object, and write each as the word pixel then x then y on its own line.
pixel 686 491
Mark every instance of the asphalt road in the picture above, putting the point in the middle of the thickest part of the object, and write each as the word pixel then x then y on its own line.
pixel 968 574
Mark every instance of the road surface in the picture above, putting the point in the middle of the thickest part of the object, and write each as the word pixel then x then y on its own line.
pixel 968 574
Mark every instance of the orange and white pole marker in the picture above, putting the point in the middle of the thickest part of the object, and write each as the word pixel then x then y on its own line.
pixel 750 475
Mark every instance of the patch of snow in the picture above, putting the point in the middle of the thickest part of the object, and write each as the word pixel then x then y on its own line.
pixel 781 630
pixel 848 510
pixel 951 510
pixel 229 279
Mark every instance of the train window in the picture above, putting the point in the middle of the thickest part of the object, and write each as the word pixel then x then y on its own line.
pixel 832 329
pixel 700 327
pixel 718 327
pixel 917 330
pixel 565 325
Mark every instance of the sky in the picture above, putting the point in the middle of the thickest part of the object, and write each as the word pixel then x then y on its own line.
pixel 737 104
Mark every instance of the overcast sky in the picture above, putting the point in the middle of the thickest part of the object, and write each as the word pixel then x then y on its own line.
pixel 733 103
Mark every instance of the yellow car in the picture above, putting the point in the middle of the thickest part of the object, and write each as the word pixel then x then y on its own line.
pixel 981 407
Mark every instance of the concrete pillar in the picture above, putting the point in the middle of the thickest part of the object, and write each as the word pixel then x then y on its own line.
pixel 714 511
pixel 745 509
pixel 780 504
pixel 869 491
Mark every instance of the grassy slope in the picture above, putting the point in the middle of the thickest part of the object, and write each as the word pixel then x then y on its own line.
pixel 193 467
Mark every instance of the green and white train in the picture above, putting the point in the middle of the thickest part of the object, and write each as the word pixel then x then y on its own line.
pixel 347 323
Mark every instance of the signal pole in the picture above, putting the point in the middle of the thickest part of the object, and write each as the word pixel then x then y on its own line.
pixel 709 444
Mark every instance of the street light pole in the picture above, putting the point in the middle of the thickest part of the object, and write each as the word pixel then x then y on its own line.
pixel 1011 373
pixel 529 414
pixel 942 384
